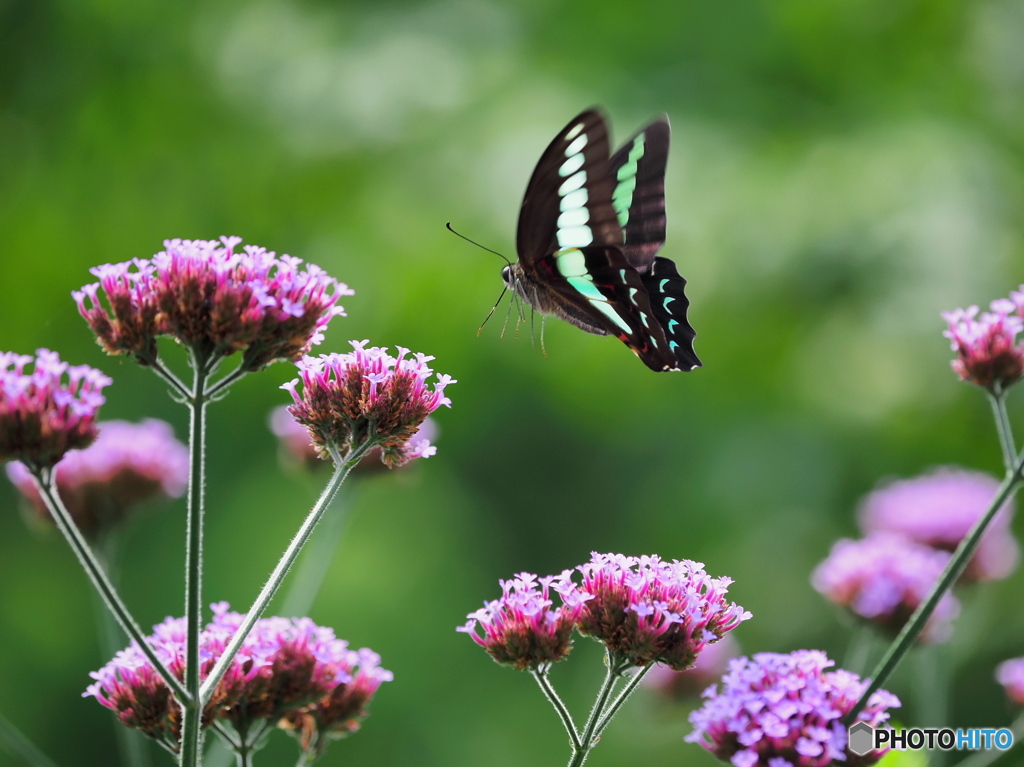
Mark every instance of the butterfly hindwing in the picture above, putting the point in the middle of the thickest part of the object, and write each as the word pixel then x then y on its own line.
pixel 637 170
pixel 598 282
pixel 568 199
pixel 669 303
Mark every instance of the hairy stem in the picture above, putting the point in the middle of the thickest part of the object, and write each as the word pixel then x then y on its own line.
pixel 541 675
pixel 341 471
pixel 613 709
pixel 98 576
pixel 1006 442
pixel 905 640
pixel 191 729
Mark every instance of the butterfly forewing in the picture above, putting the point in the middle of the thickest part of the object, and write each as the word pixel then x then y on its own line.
pixel 638 197
pixel 568 199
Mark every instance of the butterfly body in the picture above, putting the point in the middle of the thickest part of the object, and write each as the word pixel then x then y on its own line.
pixel 589 231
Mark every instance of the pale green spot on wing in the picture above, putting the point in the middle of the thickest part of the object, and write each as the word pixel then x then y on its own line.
pixel 571 184
pixel 575 237
pixel 573 200
pixel 622 197
pixel 574 132
pixel 576 146
pixel 571 263
pixel 571 165
pixel 578 217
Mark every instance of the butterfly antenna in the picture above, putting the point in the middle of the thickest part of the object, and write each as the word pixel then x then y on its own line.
pixel 448 226
pixel 481 328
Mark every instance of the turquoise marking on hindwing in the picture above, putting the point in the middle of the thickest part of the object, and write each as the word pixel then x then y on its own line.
pixel 622 197
pixel 671 326
pixel 661 286
pixel 571 263
pixel 666 302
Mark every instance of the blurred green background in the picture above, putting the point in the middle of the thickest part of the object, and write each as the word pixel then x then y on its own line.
pixel 840 173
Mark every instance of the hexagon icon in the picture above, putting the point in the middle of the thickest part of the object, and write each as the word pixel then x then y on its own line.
pixel 862 738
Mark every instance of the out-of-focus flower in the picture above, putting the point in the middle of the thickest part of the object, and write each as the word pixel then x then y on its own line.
pixel 46 413
pixel 127 465
pixel 285 668
pixel 776 710
pixel 365 396
pixel 1010 674
pixel 524 629
pixel 212 300
pixel 987 352
pixel 651 611
pixel 342 710
pixel 883 579
pixel 297 446
pixel 939 509
pixel 711 663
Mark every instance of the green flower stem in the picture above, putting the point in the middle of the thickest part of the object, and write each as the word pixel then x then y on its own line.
pixel 613 709
pixel 311 571
pixel 21 746
pixel 986 757
pixel 905 640
pixel 541 675
pixel 931 685
pixel 588 738
pixel 191 725
pixel 165 373
pixel 305 759
pixel 221 385
pixel 45 482
pixel 998 401
pixel 341 472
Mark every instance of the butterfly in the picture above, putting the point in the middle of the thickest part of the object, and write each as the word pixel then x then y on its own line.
pixel 588 236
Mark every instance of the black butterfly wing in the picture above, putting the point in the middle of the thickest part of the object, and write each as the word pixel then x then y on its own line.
pixel 598 282
pixel 568 202
pixel 669 303
pixel 637 171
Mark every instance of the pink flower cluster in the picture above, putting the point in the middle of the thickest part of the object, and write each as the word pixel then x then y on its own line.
pixel 777 710
pixel 1010 674
pixel 213 300
pixel 524 629
pixel 987 351
pixel 127 465
pixel 652 611
pixel 938 509
pixel 46 413
pixel 287 669
pixel 883 578
pixel 365 396
pixel 644 610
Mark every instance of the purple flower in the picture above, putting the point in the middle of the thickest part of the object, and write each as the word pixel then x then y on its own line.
pixel 212 300
pixel 297 446
pixel 524 629
pixel 987 352
pixel 650 611
pixel 1010 674
pixel 368 395
pixel 127 465
pixel 342 710
pixel 49 411
pixel 939 509
pixel 883 579
pixel 779 710
pixel 711 663
pixel 285 668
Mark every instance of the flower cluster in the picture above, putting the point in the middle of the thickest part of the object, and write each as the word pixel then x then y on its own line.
pixel 524 629
pixel 776 710
pixel 651 611
pixel 708 668
pixel 368 396
pixel 644 611
pixel 297 448
pixel 1010 674
pixel 987 351
pixel 883 578
pixel 938 509
pixel 213 300
pixel 127 465
pixel 285 669
pixel 45 413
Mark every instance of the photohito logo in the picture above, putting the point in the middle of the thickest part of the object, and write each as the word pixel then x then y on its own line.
pixel 865 738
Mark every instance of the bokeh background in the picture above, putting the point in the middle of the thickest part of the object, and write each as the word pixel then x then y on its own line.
pixel 840 173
